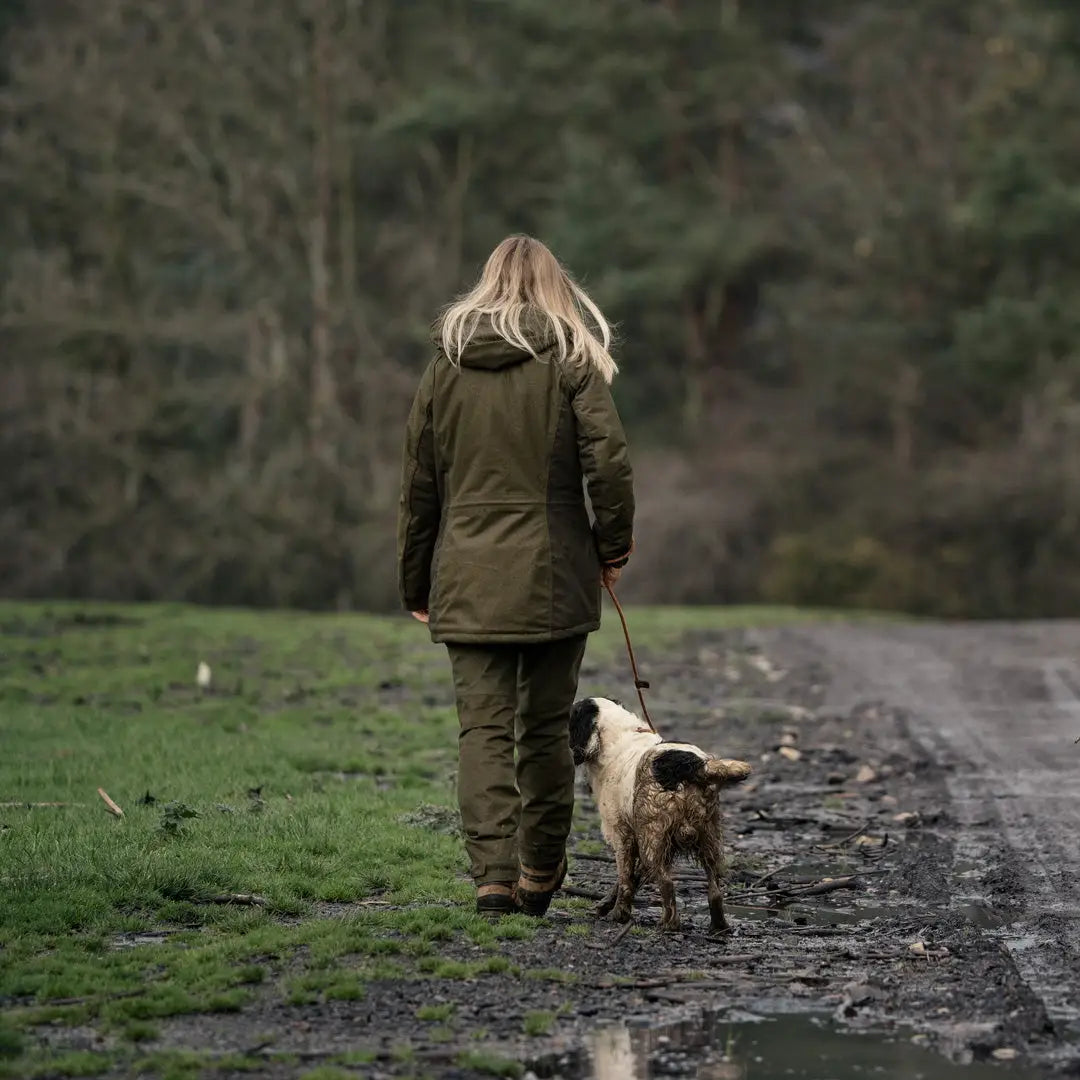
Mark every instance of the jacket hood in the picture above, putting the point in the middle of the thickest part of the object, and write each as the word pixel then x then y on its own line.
pixel 487 351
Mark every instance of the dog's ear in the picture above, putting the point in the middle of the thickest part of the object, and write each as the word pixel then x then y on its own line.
pixel 584 736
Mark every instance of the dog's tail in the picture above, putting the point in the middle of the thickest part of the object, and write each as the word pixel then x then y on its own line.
pixel 724 771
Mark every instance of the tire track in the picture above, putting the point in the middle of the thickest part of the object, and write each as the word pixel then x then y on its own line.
pixel 1001 704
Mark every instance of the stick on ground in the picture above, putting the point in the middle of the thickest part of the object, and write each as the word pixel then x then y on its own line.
pixel 33 805
pixel 109 804
pixel 238 898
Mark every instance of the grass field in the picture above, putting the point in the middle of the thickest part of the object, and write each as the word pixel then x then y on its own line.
pixel 313 777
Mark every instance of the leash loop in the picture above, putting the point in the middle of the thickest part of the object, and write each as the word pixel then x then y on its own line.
pixel 640 684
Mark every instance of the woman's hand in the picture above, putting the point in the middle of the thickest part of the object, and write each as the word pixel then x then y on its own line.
pixel 421 616
pixel 609 575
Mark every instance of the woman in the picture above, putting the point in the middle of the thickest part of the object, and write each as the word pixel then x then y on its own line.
pixel 496 551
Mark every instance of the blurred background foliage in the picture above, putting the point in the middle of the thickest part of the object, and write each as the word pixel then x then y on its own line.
pixel 841 241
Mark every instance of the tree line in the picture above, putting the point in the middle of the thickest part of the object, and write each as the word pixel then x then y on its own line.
pixel 839 240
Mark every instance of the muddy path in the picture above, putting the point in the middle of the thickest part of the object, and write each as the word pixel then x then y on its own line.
pixel 904 861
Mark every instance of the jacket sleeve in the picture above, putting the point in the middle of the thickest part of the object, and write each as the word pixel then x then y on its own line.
pixel 419 511
pixel 605 461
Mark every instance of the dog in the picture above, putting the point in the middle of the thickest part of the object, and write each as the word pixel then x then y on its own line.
pixel 657 800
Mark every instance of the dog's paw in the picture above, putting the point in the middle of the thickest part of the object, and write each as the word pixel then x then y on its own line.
pixel 621 914
pixel 603 908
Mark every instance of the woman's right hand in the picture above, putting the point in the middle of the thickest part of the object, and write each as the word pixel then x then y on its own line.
pixel 420 616
pixel 609 575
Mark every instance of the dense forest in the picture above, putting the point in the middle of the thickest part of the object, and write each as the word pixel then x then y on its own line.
pixel 840 240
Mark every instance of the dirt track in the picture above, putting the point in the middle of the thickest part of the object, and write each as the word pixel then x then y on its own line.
pixel 1001 705
pixel 935 766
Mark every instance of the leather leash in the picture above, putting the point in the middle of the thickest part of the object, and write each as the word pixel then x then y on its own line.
pixel 640 684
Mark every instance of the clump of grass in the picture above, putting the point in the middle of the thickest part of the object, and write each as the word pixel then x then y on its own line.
pixel 11 1042
pixel 538 1023
pixel 357 1057
pixel 435 1012
pixel 490 1064
pixel 463 969
pixel 140 1031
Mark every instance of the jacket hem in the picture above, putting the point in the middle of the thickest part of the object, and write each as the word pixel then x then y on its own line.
pixel 489 637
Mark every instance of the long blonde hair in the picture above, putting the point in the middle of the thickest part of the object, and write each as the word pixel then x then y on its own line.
pixel 522 277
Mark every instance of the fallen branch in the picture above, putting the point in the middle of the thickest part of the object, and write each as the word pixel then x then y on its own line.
pixel 249 899
pixel 783 893
pixel 592 858
pixel 827 886
pixel 584 894
pixel 34 805
pixel 846 839
pixel 109 804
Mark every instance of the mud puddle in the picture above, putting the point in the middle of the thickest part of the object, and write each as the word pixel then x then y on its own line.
pixel 739 1046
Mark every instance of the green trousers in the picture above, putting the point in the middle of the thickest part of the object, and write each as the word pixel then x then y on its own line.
pixel 515 698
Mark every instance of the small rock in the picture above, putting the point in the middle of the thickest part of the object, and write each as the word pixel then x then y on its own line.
pixel 1004 1053
pixel 918 948
pixel 762 663
pixel 908 819
pixel 790 753
pixel 203 676
pixel 865 775
pixel 789 737
pixel 888 800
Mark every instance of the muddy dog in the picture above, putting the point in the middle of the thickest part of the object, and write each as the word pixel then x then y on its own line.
pixel 657 800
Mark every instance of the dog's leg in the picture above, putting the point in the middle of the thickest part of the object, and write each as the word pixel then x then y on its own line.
pixel 626 866
pixel 605 905
pixel 713 863
pixel 670 918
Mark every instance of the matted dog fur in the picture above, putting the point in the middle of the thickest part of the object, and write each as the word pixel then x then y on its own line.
pixel 657 800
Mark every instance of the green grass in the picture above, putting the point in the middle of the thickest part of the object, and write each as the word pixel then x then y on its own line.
pixel 489 1064
pixel 253 786
pixel 435 1012
pixel 538 1023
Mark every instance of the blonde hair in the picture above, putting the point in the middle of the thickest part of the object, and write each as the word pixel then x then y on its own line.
pixel 522 278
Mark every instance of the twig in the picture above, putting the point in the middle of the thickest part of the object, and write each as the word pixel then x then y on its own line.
pixel 105 997
pixel 765 877
pixel 827 886
pixel 584 894
pixel 34 805
pixel 109 804
pixel 846 839
pixel 620 935
pixel 237 898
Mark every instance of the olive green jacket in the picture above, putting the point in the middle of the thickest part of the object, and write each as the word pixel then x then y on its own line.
pixel 494 538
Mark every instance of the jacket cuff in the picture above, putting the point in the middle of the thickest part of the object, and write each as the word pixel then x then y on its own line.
pixel 619 563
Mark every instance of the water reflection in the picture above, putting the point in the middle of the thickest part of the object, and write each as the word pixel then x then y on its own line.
pixel 717 1046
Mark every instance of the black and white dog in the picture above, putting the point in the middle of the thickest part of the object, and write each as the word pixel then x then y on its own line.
pixel 657 800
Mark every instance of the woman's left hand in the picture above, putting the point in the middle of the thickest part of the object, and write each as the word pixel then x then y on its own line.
pixel 421 616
